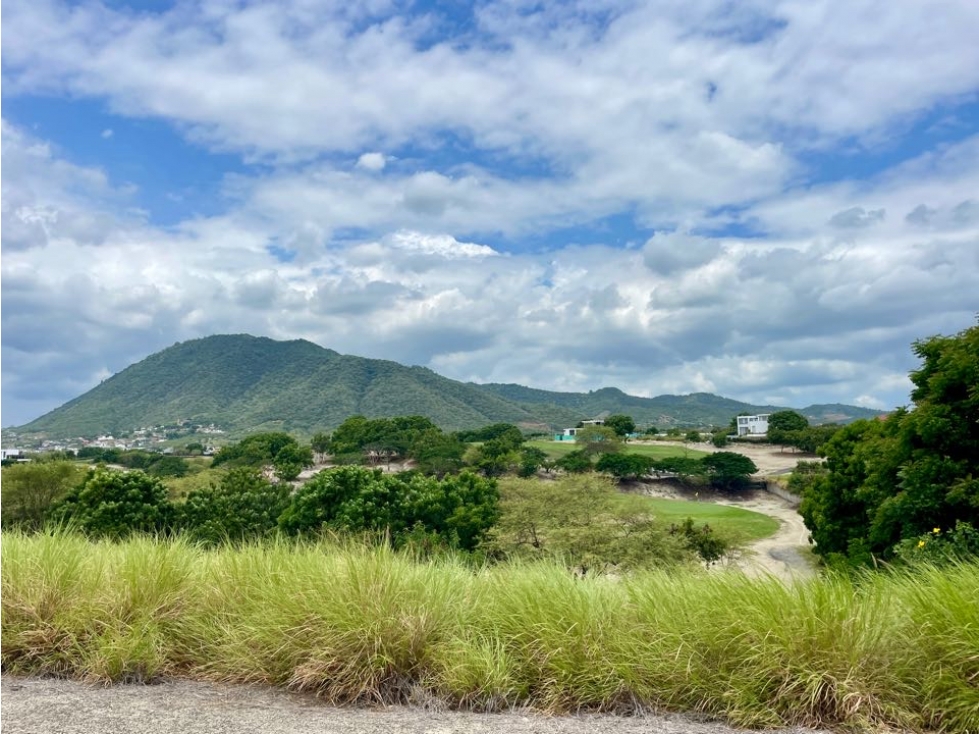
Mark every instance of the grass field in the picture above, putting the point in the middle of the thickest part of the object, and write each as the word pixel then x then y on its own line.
pixel 734 523
pixel 361 624
pixel 557 449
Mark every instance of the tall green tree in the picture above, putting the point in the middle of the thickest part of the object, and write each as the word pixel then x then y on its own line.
pixel 457 509
pixel 623 425
pixel 787 420
pixel 728 470
pixel 891 480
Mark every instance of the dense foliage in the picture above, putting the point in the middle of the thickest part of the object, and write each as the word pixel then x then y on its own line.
pixel 456 510
pixel 723 470
pixel 29 490
pixel 115 504
pixel 243 506
pixel 279 450
pixel 901 478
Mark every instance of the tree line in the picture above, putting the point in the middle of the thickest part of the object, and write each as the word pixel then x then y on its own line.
pixel 905 486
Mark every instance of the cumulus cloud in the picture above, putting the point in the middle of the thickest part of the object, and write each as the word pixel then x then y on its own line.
pixel 372 161
pixel 531 122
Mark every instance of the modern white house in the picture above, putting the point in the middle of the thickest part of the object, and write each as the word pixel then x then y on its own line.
pixel 753 425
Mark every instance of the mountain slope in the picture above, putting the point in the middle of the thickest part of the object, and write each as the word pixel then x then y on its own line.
pixel 244 383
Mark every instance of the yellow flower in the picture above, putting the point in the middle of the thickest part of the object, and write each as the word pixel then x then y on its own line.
pixel 937 530
pixel 921 544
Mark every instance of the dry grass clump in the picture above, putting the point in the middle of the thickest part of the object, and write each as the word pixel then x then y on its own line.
pixel 359 623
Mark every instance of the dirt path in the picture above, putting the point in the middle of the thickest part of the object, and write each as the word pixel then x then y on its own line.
pixel 784 554
pixel 33 706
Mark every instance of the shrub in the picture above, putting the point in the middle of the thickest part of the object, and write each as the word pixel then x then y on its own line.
pixel 243 506
pixel 116 503
pixel 29 491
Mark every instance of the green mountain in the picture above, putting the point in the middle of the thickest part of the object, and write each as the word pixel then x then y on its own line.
pixel 697 409
pixel 243 383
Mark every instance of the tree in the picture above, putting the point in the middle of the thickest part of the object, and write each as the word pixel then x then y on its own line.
pixel 115 504
pixel 581 522
pixel 787 420
pixel 692 436
pixel 437 453
pixel 597 440
pixel 651 431
pixel 574 462
pixel 786 427
pixel 684 468
pixel 624 466
pixel 623 425
pixel 243 506
pixel 458 509
pixel 29 490
pixel 728 470
pixel 320 443
pixel 895 479
pixel 290 460
pixel 531 459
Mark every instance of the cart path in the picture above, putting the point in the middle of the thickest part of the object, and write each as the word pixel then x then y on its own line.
pixel 36 706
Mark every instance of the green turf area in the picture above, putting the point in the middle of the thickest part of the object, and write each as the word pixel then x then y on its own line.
pixel 557 449
pixel 732 522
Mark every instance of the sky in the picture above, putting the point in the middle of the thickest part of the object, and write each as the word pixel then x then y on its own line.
pixel 768 200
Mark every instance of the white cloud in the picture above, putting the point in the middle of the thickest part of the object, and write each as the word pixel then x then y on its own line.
pixel 687 116
pixel 107 133
pixel 372 161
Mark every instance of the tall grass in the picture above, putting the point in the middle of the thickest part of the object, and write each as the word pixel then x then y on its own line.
pixel 356 623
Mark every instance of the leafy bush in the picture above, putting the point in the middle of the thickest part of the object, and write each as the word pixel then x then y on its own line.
pixel 575 462
pixel 116 503
pixel 458 509
pixel 29 490
pixel 243 506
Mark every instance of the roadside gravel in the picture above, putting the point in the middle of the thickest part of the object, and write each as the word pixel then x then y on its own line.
pixel 49 706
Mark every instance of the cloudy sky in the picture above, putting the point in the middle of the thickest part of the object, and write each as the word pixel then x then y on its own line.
pixel 766 199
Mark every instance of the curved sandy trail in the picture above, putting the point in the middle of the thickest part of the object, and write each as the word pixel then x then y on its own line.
pixel 784 554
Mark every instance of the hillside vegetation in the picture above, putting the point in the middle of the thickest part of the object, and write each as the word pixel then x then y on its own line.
pixel 243 384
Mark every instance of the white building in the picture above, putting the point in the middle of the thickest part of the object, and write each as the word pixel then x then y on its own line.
pixel 753 425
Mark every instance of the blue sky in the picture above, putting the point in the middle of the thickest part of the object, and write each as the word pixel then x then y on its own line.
pixel 766 200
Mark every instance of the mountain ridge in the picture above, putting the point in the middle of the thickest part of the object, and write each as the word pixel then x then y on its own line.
pixel 244 383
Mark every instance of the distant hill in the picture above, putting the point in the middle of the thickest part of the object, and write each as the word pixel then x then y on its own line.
pixel 243 383
pixel 696 409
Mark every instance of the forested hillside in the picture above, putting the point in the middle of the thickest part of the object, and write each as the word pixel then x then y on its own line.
pixel 243 383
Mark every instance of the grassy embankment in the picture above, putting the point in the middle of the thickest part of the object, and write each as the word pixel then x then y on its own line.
pixel 359 624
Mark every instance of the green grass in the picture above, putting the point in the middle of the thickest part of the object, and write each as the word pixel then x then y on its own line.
pixel 557 449
pixel 362 624
pixel 734 523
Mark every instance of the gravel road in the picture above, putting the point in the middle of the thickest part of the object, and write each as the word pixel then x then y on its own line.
pixel 48 706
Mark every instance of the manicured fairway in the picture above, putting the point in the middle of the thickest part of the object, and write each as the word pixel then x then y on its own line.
pixel 557 449
pixel 745 525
